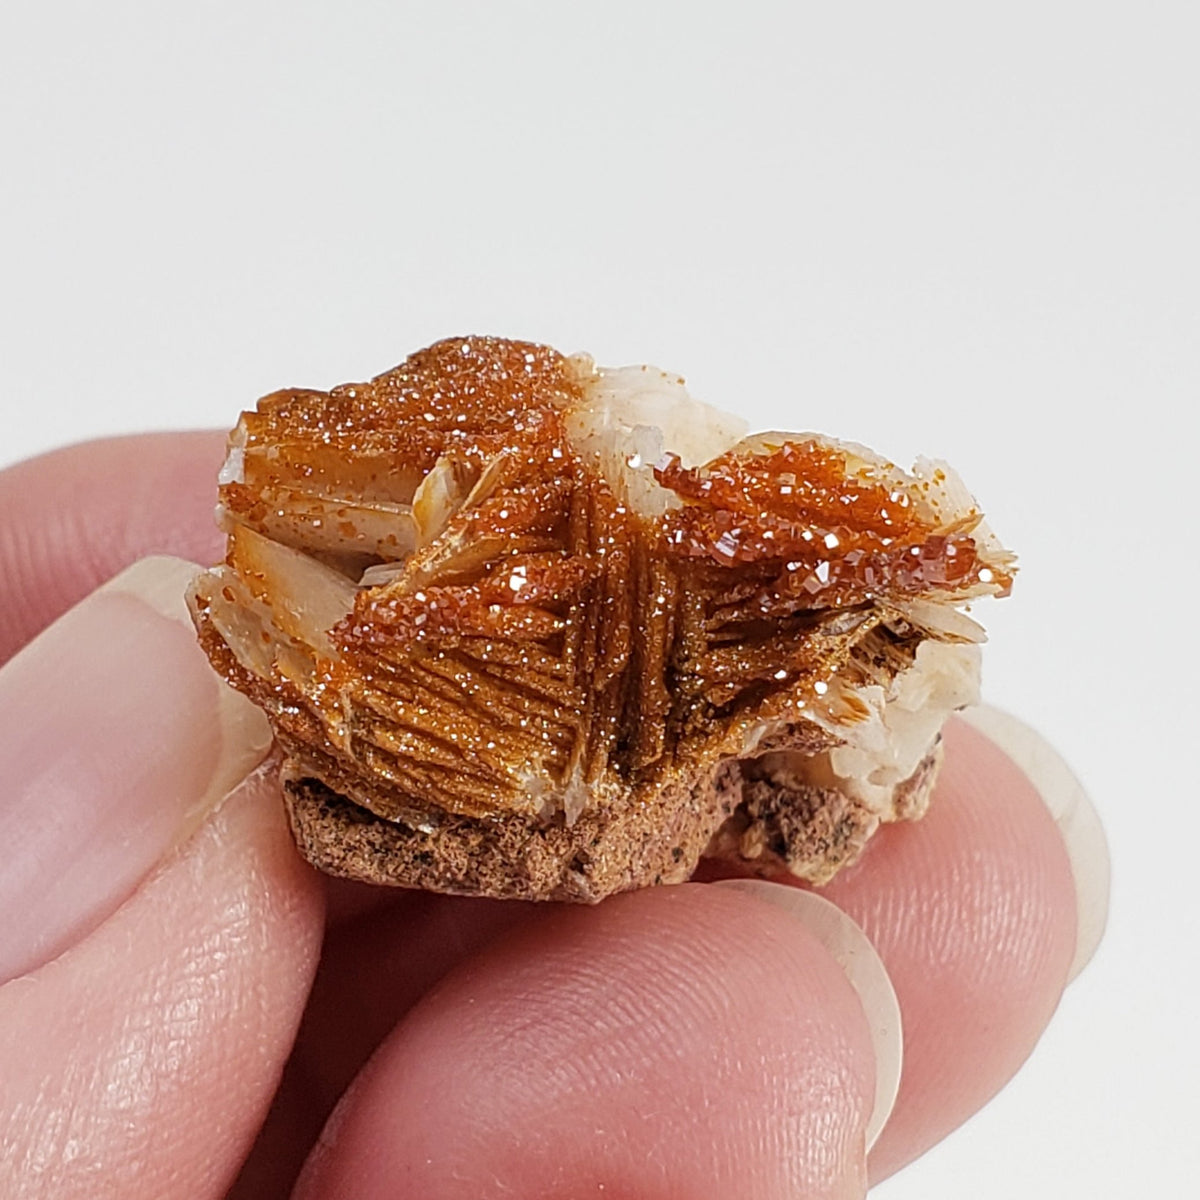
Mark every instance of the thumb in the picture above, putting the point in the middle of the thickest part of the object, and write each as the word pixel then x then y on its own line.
pixel 158 943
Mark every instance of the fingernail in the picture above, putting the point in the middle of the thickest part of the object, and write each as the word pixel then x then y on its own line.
pixel 116 741
pixel 854 953
pixel 1073 813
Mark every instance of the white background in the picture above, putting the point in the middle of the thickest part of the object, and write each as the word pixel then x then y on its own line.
pixel 962 229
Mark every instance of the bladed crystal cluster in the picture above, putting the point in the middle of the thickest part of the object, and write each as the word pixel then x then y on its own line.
pixel 529 627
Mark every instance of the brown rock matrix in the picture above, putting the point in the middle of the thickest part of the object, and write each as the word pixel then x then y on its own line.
pixel 526 627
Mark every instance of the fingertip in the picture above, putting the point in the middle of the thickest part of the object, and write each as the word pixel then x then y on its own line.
pixel 118 739
pixel 853 952
pixel 74 517
pixel 147 1054
pixel 684 1041
pixel 972 909
pixel 1073 813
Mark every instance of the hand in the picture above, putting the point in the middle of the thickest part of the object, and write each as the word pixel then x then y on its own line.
pixel 163 946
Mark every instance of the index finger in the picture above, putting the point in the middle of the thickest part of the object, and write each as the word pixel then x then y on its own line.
pixel 75 517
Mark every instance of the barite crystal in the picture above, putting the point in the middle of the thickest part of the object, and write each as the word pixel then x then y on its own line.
pixel 526 627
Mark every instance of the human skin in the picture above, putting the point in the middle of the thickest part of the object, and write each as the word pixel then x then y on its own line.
pixel 677 1042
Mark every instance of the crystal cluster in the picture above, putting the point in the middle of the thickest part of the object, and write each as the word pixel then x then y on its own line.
pixel 529 627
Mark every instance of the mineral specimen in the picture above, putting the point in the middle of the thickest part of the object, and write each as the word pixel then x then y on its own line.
pixel 526 627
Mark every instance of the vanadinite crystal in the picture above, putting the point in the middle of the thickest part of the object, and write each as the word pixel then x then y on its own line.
pixel 528 627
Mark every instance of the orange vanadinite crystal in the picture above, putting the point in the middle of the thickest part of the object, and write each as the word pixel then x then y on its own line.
pixel 834 538
pixel 464 587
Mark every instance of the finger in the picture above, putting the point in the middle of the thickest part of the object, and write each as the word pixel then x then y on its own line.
pixel 974 912
pixel 683 1042
pixel 377 961
pixel 115 736
pixel 1073 814
pixel 158 972
pixel 140 1063
pixel 75 517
